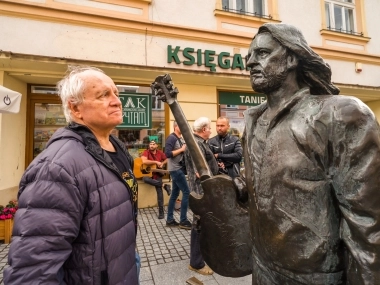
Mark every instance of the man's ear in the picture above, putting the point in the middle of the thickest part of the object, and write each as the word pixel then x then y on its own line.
pixel 292 61
pixel 75 112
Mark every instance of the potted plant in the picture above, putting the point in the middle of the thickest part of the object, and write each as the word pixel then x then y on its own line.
pixel 6 220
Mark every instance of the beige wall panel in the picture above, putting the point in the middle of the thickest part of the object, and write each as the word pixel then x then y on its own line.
pixel 375 107
pixel 195 110
pixel 12 143
pixel 196 93
pixel 147 196
pixel 8 194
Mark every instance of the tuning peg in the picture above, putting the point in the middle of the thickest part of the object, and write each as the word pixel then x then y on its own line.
pixel 167 78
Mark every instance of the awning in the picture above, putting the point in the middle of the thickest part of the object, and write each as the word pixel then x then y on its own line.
pixel 9 100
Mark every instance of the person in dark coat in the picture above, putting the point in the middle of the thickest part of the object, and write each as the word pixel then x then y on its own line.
pixel 202 132
pixel 77 216
pixel 226 148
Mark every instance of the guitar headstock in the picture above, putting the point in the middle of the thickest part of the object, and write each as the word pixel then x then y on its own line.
pixel 163 88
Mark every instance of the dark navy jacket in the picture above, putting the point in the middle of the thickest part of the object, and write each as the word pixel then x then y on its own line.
pixel 76 217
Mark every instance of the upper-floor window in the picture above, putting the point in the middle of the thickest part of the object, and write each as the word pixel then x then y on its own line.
pixel 340 15
pixel 250 7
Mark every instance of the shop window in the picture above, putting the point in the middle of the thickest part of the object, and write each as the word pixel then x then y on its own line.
pixel 340 16
pixel 234 112
pixel 46 116
pixel 248 7
pixel 137 139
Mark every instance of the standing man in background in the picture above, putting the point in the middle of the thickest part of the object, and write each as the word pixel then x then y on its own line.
pixel 155 157
pixel 226 148
pixel 174 151
pixel 202 132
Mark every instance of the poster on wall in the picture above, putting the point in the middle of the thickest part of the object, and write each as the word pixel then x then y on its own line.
pixel 137 111
pixel 237 127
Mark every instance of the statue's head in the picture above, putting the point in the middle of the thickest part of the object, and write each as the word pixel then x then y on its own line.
pixel 278 50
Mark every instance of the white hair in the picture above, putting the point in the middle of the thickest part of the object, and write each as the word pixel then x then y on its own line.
pixel 71 88
pixel 200 123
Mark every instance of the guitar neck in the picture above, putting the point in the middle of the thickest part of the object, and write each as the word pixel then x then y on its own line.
pixel 192 145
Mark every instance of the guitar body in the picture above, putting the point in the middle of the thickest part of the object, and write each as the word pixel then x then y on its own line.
pixel 225 235
pixel 225 239
pixel 140 170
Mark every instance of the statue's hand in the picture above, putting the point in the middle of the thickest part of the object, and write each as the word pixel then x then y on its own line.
pixel 241 191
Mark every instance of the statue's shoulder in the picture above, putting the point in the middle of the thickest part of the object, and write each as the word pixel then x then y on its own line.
pixel 346 108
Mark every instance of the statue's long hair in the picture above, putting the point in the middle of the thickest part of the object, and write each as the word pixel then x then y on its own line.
pixel 312 70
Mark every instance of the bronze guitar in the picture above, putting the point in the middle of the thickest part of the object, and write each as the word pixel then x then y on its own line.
pixel 225 235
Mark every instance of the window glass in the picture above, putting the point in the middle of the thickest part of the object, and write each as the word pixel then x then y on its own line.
pixel 246 6
pixel 349 16
pixel 240 5
pixel 135 139
pixel 338 17
pixel 259 6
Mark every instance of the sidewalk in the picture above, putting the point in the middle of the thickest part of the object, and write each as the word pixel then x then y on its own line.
pixel 164 254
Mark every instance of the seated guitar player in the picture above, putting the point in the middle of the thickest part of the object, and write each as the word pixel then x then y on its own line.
pixel 156 159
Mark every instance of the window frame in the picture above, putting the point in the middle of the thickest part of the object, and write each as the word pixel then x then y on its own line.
pixel 332 4
pixel 250 10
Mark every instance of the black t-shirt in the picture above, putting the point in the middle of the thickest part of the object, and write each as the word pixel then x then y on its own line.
pixel 121 161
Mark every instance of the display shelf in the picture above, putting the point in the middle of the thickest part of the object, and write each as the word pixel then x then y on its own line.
pixel 56 125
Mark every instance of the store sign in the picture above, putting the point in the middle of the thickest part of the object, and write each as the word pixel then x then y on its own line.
pixel 238 98
pixel 208 58
pixel 137 111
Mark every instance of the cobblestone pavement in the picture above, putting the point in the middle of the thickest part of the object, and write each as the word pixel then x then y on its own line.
pixel 158 244
pixel 164 252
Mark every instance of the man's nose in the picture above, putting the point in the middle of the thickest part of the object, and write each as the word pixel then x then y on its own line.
pixel 115 99
pixel 251 61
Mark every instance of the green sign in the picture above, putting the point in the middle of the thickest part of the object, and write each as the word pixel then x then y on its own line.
pixel 208 58
pixel 137 111
pixel 238 98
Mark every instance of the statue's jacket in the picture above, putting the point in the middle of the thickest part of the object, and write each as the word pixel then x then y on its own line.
pixel 314 190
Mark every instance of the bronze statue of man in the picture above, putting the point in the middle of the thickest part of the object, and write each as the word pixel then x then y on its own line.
pixel 312 170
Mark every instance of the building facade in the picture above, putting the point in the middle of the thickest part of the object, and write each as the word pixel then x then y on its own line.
pixel 202 44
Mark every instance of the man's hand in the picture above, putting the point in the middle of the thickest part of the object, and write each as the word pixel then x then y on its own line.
pixel 216 155
pixel 183 147
pixel 159 164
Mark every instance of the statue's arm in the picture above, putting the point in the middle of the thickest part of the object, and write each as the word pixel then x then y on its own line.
pixel 356 183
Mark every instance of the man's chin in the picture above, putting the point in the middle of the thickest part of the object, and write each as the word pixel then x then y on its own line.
pixel 260 88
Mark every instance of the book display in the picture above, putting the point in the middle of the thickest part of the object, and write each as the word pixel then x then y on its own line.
pixel 47 119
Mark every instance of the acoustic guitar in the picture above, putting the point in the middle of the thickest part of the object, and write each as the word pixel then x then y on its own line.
pixel 140 170
pixel 225 240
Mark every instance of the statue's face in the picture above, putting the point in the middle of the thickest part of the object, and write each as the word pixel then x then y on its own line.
pixel 267 59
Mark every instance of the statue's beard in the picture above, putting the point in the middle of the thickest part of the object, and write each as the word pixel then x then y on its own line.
pixel 272 78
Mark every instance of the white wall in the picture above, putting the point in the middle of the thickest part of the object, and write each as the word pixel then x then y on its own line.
pixel 194 13
pixel 372 8
pixel 344 72
pixel 305 15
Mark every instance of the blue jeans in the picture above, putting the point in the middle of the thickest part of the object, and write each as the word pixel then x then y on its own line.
pixel 178 183
pixel 138 265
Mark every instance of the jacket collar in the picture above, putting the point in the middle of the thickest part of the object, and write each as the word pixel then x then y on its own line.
pixel 254 113
pixel 199 138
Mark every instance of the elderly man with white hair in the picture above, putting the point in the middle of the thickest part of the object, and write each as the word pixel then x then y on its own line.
pixel 202 132
pixel 76 222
